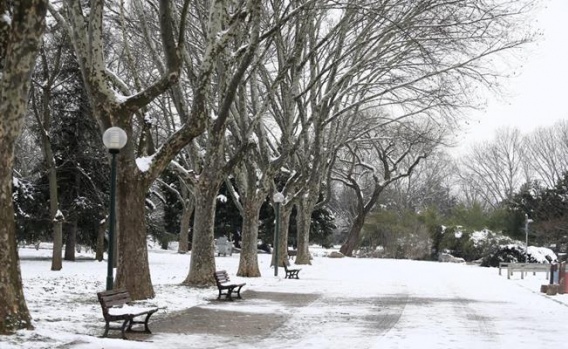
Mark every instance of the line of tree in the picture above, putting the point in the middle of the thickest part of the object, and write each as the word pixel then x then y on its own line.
pixel 256 96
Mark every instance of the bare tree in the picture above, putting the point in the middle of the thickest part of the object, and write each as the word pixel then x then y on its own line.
pixel 429 184
pixel 495 170
pixel 41 95
pixel 373 162
pixel 545 152
pixel 21 27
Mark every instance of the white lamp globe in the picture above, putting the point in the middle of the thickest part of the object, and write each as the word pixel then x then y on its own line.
pixel 114 138
pixel 278 197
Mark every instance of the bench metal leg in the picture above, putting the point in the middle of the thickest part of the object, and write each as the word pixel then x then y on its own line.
pixel 145 323
pixel 146 328
pixel 107 327
pixel 126 324
pixel 227 293
pixel 230 293
pixel 238 292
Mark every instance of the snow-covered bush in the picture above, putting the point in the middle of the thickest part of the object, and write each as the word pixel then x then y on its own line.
pixel 470 246
pixel 516 253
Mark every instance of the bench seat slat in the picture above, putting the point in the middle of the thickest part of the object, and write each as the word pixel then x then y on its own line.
pixel 129 310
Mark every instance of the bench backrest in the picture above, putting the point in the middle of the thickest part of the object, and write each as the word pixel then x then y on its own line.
pixel 113 298
pixel 221 277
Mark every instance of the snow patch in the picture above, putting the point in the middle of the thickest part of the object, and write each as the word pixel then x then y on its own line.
pixel 144 163
pixel 5 17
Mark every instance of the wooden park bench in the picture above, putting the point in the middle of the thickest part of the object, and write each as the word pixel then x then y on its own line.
pixel 291 273
pixel 116 308
pixel 225 286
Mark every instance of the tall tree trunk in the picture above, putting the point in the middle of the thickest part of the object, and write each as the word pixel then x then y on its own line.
pixel 202 262
pixel 70 241
pixel 187 210
pixel 55 215
pixel 248 263
pixel 133 270
pixel 56 259
pixel 304 220
pixel 19 42
pixel 14 313
pixel 363 210
pixel 285 213
pixel 353 237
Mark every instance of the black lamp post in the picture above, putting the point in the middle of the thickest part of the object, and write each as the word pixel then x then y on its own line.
pixel 114 139
pixel 278 198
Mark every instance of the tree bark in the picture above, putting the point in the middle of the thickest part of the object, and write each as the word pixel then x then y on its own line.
pixel 133 270
pixel 19 44
pixel 55 214
pixel 14 313
pixel 202 265
pixel 285 213
pixel 71 241
pixel 353 237
pixel 248 263
pixel 187 211
pixel 304 220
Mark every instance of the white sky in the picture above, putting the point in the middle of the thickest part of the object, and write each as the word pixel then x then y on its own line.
pixel 361 303
pixel 538 96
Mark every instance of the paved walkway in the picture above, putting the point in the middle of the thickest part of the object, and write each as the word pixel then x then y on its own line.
pixel 401 305
pixel 225 318
pixel 252 321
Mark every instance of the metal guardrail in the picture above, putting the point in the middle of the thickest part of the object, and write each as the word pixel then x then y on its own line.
pixel 524 268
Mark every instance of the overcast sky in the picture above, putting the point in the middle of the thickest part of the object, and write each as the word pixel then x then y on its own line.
pixel 539 95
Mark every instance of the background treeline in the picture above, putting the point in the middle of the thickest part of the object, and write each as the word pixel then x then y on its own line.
pixel 443 194
pixel 496 185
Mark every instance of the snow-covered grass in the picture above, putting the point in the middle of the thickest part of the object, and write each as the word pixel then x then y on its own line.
pixel 362 303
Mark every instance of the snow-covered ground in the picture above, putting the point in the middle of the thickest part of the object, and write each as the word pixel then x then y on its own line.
pixel 358 303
